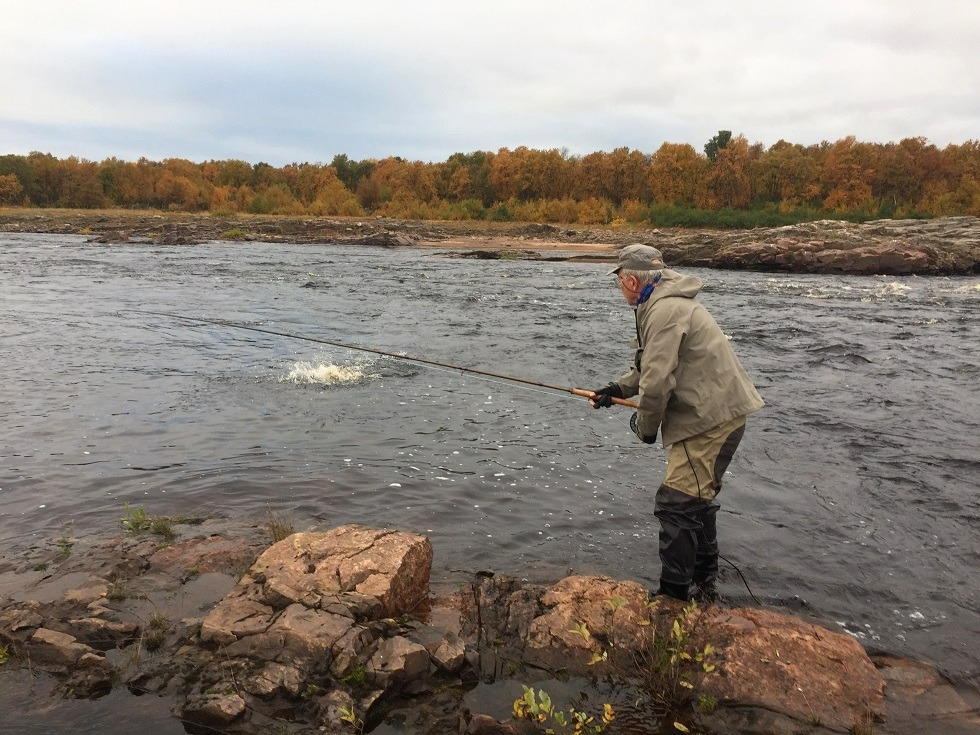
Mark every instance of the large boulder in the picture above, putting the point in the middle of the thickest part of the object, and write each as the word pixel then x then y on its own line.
pixel 314 569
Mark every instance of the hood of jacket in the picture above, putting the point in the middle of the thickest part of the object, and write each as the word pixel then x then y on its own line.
pixel 673 283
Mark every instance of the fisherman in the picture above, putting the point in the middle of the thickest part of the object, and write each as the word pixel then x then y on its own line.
pixel 692 389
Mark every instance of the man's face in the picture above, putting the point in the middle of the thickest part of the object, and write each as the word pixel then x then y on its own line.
pixel 630 286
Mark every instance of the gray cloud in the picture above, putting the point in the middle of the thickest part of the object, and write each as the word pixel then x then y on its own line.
pixel 305 80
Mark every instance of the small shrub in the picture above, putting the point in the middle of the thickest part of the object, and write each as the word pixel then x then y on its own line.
pixel 4 655
pixel 233 234
pixel 162 527
pixel 500 213
pixel 64 547
pixel 312 690
pixel 153 639
pixel 117 593
pixel 280 526
pixel 356 678
pixel 42 567
pixel 135 520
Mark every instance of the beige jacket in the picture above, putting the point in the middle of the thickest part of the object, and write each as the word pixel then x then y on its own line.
pixel 685 372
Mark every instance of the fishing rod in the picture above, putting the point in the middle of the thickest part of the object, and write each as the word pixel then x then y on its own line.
pixel 236 325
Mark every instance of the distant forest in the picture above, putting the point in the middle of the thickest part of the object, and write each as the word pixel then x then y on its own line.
pixel 731 183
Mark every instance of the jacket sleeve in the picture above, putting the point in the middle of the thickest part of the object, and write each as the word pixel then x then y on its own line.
pixel 662 334
pixel 630 381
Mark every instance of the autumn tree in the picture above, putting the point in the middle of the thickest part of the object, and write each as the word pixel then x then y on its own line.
pixel 717 143
pixel 678 176
pixel 728 179
pixel 11 190
pixel 846 175
pixel 785 174
pixel 351 172
pixel 18 167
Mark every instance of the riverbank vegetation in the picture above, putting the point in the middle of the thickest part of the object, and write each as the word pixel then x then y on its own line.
pixel 731 184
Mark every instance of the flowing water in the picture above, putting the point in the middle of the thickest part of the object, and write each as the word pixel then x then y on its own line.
pixel 853 497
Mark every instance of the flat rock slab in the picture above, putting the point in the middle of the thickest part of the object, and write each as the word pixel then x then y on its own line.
pixel 782 663
pixel 771 669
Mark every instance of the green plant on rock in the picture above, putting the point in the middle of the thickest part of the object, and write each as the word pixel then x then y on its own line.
pixel 538 708
pixel 706 704
pixel 4 655
pixel 356 677
pixel 233 234
pixel 155 633
pixel 162 527
pixel 348 715
pixel 64 547
pixel 135 520
pixel 312 690
pixel 671 662
pixel 280 526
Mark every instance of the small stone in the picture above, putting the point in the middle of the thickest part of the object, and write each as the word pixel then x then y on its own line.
pixel 233 618
pixel 275 678
pixel 214 710
pixel 398 661
pixel 87 595
pixel 57 649
pixel 450 656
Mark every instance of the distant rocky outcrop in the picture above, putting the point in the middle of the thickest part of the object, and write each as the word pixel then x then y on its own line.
pixel 324 628
pixel 942 246
pixel 945 246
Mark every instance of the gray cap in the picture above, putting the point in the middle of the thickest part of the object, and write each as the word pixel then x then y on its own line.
pixel 639 257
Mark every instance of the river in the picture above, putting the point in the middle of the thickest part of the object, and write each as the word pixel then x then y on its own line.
pixel 853 497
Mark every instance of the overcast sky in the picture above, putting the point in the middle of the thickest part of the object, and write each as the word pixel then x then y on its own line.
pixel 290 80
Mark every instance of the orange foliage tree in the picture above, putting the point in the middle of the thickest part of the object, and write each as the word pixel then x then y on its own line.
pixel 845 178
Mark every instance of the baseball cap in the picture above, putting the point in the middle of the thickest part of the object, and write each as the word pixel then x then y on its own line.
pixel 639 257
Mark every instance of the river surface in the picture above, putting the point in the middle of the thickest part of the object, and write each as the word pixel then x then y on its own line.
pixel 853 497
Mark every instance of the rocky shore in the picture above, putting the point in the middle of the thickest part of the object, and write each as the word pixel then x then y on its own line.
pixel 339 630
pixel 946 246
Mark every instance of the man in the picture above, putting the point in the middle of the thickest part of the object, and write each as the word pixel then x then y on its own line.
pixel 692 389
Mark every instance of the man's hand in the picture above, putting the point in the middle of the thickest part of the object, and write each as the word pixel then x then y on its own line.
pixel 602 398
pixel 644 439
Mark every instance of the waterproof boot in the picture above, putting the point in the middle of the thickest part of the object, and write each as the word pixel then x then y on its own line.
pixel 671 589
pixel 705 593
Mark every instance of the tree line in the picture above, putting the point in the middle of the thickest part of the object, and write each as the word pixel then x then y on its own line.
pixel 730 183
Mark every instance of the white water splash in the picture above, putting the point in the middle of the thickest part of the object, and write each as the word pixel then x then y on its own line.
pixel 887 291
pixel 967 289
pixel 319 374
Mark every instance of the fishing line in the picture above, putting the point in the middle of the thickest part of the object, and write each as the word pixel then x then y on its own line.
pixel 420 360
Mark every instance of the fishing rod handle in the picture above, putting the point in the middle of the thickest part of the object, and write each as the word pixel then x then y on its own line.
pixel 590 394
